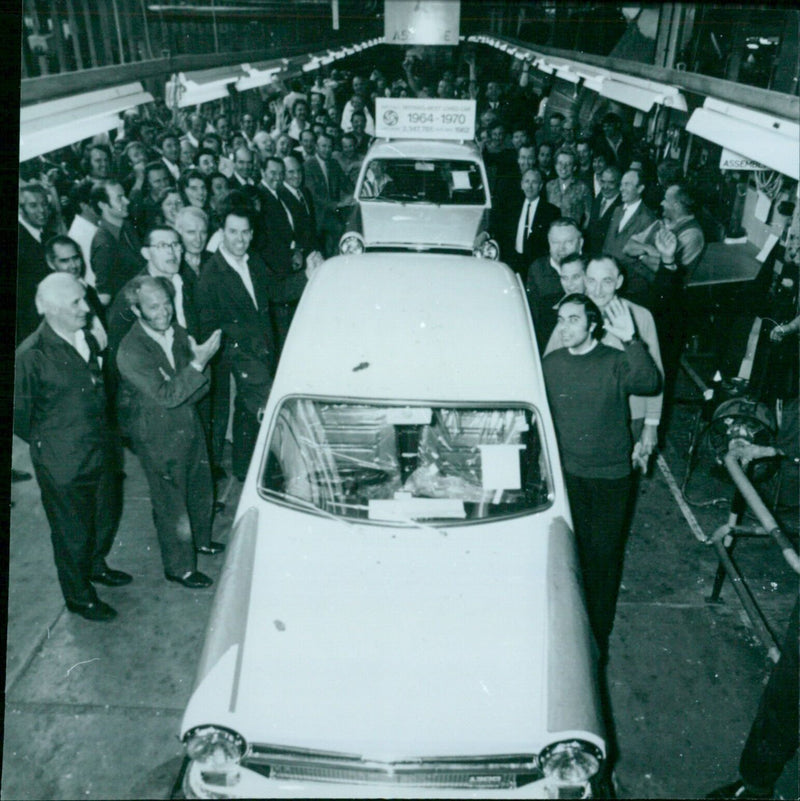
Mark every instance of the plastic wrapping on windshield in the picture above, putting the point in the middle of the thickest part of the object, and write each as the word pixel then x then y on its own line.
pixel 402 464
pixel 454 183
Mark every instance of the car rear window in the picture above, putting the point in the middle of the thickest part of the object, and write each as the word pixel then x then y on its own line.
pixel 400 464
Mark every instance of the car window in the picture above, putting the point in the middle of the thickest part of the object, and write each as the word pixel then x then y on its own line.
pixel 454 183
pixel 383 463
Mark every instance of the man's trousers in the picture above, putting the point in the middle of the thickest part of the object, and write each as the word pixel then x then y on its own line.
pixel 599 513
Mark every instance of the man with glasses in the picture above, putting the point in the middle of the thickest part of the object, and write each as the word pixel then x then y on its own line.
pixel 162 252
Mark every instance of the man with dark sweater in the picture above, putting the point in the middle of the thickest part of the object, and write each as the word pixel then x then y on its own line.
pixel 588 384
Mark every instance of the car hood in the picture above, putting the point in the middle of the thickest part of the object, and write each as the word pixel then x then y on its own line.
pixel 391 642
pixel 420 225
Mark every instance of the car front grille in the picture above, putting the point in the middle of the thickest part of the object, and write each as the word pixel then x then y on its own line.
pixel 491 773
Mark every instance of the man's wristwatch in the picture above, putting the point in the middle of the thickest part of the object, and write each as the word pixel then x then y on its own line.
pixel 634 338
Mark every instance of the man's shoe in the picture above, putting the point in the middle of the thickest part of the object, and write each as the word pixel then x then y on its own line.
pixel 193 580
pixel 218 473
pixel 739 789
pixel 219 506
pixel 94 611
pixel 112 578
pixel 211 549
pixel 19 475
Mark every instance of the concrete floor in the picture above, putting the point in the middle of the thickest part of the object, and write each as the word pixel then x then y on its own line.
pixel 93 710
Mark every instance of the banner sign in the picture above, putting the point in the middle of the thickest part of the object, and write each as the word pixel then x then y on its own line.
pixel 422 22
pixel 729 160
pixel 424 118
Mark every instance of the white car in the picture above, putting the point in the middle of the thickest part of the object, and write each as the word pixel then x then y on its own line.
pixel 421 195
pixel 400 613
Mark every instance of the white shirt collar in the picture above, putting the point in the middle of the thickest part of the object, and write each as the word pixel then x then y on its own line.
pixel 36 233
pixel 234 261
pixel 164 341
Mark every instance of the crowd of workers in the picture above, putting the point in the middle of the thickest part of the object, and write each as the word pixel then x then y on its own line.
pixel 169 258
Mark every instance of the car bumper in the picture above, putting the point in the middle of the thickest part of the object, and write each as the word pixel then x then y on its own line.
pixel 251 784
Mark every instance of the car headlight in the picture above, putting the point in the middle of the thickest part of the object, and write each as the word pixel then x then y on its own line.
pixel 571 762
pixel 351 242
pixel 218 752
pixel 489 249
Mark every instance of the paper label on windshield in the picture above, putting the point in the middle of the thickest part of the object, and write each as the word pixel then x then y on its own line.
pixel 500 466
pixel 424 118
pixel 461 180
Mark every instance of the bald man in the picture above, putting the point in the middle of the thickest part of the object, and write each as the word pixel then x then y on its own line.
pixel 60 409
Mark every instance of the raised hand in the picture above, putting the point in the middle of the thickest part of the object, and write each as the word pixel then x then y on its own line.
pixel 666 243
pixel 201 354
pixel 618 320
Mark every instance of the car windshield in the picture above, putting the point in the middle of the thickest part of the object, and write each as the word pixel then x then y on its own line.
pixel 451 183
pixel 400 464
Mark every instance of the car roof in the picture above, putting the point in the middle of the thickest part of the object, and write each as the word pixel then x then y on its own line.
pixel 409 326
pixel 424 148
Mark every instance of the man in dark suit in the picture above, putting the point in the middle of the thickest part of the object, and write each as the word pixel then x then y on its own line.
pixel 60 409
pixel 31 266
pixel 116 248
pixel 603 207
pixel 328 186
pixel 233 295
pixel 522 229
pixel 507 196
pixel 543 284
pixel 162 371
pixel 275 241
pixel 631 218
pixel 301 206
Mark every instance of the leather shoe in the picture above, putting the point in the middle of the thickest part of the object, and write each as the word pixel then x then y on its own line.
pixel 219 506
pixel 112 578
pixel 93 611
pixel 211 549
pixel 193 580
pixel 19 475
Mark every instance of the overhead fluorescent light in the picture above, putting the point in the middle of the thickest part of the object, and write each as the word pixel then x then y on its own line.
pixel 768 140
pixel 253 77
pixel 37 143
pixel 48 126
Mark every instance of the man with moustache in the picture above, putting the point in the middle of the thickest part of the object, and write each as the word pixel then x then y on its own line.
pixel 588 384
pixel 602 282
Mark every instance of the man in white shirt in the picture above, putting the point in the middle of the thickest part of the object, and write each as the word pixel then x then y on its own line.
pixel 163 377
pixel 356 103
pixel 84 225
pixel 243 167
pixel 171 153
pixel 233 295
pixel 629 219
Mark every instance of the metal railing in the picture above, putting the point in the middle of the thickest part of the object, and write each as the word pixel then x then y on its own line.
pixel 723 539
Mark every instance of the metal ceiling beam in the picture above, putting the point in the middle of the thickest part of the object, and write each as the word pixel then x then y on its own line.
pixel 777 103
